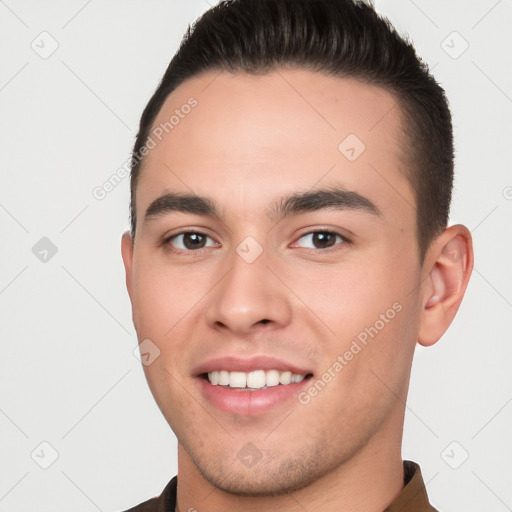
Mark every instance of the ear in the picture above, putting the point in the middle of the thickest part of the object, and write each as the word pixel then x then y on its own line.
pixel 447 266
pixel 127 254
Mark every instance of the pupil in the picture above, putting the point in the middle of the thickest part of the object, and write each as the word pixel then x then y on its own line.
pixel 193 240
pixel 324 238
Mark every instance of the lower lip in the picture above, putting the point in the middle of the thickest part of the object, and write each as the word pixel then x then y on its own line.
pixel 249 403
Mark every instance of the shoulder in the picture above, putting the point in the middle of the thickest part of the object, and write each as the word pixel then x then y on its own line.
pixel 166 502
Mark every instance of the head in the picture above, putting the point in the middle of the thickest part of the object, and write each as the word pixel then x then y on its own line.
pixel 300 164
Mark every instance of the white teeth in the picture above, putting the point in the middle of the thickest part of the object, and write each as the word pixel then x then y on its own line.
pixel 257 379
pixel 285 377
pixel 237 379
pixel 223 378
pixel 272 378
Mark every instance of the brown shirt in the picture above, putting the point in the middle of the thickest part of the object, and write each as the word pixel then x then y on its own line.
pixel 413 497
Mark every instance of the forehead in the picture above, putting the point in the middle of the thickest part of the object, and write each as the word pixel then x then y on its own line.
pixel 249 138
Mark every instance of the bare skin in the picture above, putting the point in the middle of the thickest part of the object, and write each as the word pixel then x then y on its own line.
pixel 249 142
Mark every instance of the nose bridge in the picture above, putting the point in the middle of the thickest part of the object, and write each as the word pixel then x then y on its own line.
pixel 248 292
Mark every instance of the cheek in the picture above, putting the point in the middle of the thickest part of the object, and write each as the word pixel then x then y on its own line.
pixel 163 297
pixel 164 300
pixel 369 312
pixel 350 298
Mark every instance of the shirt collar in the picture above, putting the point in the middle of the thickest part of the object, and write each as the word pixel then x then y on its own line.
pixel 413 497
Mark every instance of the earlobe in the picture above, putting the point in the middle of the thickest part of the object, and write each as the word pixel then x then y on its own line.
pixel 127 254
pixel 449 263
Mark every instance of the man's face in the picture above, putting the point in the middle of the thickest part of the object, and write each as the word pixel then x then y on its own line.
pixel 328 292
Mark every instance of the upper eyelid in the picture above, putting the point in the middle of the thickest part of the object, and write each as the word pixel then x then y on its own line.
pixel 167 239
pixel 185 232
pixel 344 238
pixel 323 230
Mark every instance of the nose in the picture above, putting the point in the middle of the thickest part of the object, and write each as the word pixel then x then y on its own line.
pixel 248 297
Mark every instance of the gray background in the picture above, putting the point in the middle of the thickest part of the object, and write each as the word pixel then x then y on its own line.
pixel 69 378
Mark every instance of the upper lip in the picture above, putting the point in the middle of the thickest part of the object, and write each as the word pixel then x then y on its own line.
pixel 234 364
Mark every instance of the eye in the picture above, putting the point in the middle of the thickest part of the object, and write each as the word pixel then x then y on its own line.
pixel 189 241
pixel 321 240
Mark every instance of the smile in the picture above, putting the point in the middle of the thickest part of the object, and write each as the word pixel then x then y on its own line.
pixel 258 379
pixel 251 386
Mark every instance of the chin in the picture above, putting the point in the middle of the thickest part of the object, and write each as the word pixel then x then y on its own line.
pixel 268 477
pixel 261 483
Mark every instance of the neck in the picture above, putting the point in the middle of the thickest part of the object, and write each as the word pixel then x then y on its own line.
pixel 368 482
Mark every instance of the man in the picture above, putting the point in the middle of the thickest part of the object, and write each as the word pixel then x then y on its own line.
pixel 289 246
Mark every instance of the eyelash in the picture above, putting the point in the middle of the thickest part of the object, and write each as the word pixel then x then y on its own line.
pixel 166 242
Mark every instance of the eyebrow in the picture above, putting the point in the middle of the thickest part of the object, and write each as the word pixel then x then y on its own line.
pixel 302 202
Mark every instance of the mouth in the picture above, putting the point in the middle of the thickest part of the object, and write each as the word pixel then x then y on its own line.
pixel 251 387
pixel 254 380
